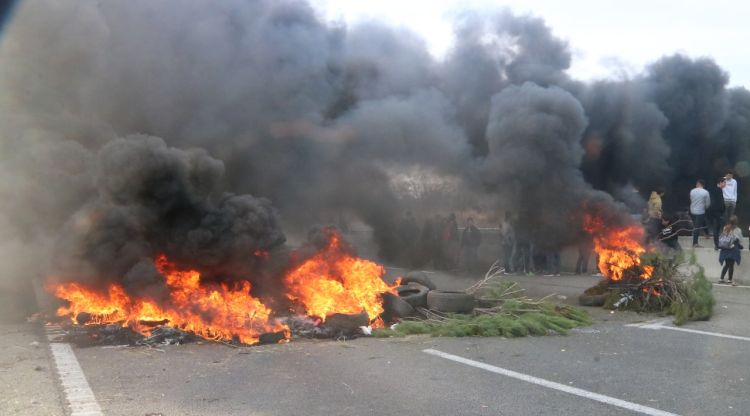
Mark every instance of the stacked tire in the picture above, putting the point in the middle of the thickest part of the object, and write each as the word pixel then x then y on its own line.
pixel 418 291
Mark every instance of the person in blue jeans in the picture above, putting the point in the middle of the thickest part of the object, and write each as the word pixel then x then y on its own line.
pixel 700 201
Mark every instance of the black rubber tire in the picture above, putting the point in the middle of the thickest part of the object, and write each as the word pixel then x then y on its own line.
pixel 347 322
pixel 418 277
pixel 395 307
pixel 592 300
pixel 413 293
pixel 456 302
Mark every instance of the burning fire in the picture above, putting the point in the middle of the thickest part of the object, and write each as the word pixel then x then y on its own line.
pixel 212 311
pixel 333 281
pixel 619 248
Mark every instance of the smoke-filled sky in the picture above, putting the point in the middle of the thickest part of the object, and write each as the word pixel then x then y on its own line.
pixel 208 130
pixel 608 38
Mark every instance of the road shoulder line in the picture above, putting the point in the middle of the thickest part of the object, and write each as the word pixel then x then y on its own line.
pixel 78 394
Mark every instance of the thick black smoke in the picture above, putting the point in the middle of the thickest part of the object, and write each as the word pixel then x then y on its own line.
pixel 534 137
pixel 623 142
pixel 101 103
pixel 152 200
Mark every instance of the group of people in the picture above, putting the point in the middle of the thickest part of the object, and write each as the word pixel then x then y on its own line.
pixel 439 243
pixel 712 211
pixel 520 255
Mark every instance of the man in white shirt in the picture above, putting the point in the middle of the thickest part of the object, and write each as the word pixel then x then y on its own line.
pixel 700 200
pixel 730 195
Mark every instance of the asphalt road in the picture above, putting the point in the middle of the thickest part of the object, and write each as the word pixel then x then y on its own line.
pixel 657 367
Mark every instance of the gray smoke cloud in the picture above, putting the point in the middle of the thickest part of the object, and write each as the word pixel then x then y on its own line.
pixel 136 128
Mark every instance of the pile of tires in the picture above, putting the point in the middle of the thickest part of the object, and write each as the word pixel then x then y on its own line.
pixel 418 291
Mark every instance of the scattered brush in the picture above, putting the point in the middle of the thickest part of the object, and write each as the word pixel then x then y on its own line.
pixel 502 311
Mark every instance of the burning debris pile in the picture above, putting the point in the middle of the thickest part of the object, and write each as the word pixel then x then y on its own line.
pixel 332 294
pixel 639 278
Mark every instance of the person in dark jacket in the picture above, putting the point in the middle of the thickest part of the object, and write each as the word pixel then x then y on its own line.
pixel 715 213
pixel 471 238
pixel 430 244
pixel 730 244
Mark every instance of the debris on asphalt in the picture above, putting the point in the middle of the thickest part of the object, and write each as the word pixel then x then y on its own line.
pixel 164 335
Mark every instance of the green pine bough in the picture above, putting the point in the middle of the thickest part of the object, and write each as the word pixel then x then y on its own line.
pixel 501 311
pixel 517 321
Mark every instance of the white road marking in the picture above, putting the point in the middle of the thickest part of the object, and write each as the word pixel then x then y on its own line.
pixel 553 385
pixel 81 400
pixel 664 324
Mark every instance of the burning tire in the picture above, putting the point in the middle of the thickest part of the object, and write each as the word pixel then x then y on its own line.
pixel 592 300
pixel 456 302
pixel 396 307
pixel 418 277
pixel 414 294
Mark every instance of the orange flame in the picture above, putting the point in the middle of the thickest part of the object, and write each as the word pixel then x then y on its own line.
pixel 333 281
pixel 619 248
pixel 212 311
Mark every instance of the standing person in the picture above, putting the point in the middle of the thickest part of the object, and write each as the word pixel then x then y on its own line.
pixel 654 214
pixel 553 262
pixel 524 252
pixel 730 194
pixel 508 242
pixel 427 244
pixel 449 242
pixel 700 201
pixel 730 246
pixel 437 249
pixel 408 233
pixel 715 213
pixel 585 247
pixel 471 238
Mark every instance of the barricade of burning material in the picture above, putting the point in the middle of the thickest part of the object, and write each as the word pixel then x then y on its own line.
pixel 642 279
pixel 333 293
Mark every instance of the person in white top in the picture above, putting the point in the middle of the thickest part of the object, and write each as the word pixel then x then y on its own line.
pixel 700 201
pixel 730 195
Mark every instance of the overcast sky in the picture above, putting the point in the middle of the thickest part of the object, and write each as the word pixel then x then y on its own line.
pixel 607 37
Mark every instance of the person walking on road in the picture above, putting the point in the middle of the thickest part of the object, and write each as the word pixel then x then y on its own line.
pixel 715 213
pixel 700 201
pixel 730 194
pixel 730 244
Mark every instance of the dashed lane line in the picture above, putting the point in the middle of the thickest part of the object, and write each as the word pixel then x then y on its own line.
pixel 553 385
pixel 664 324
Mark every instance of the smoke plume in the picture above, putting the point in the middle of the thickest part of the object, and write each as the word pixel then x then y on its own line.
pixel 136 128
